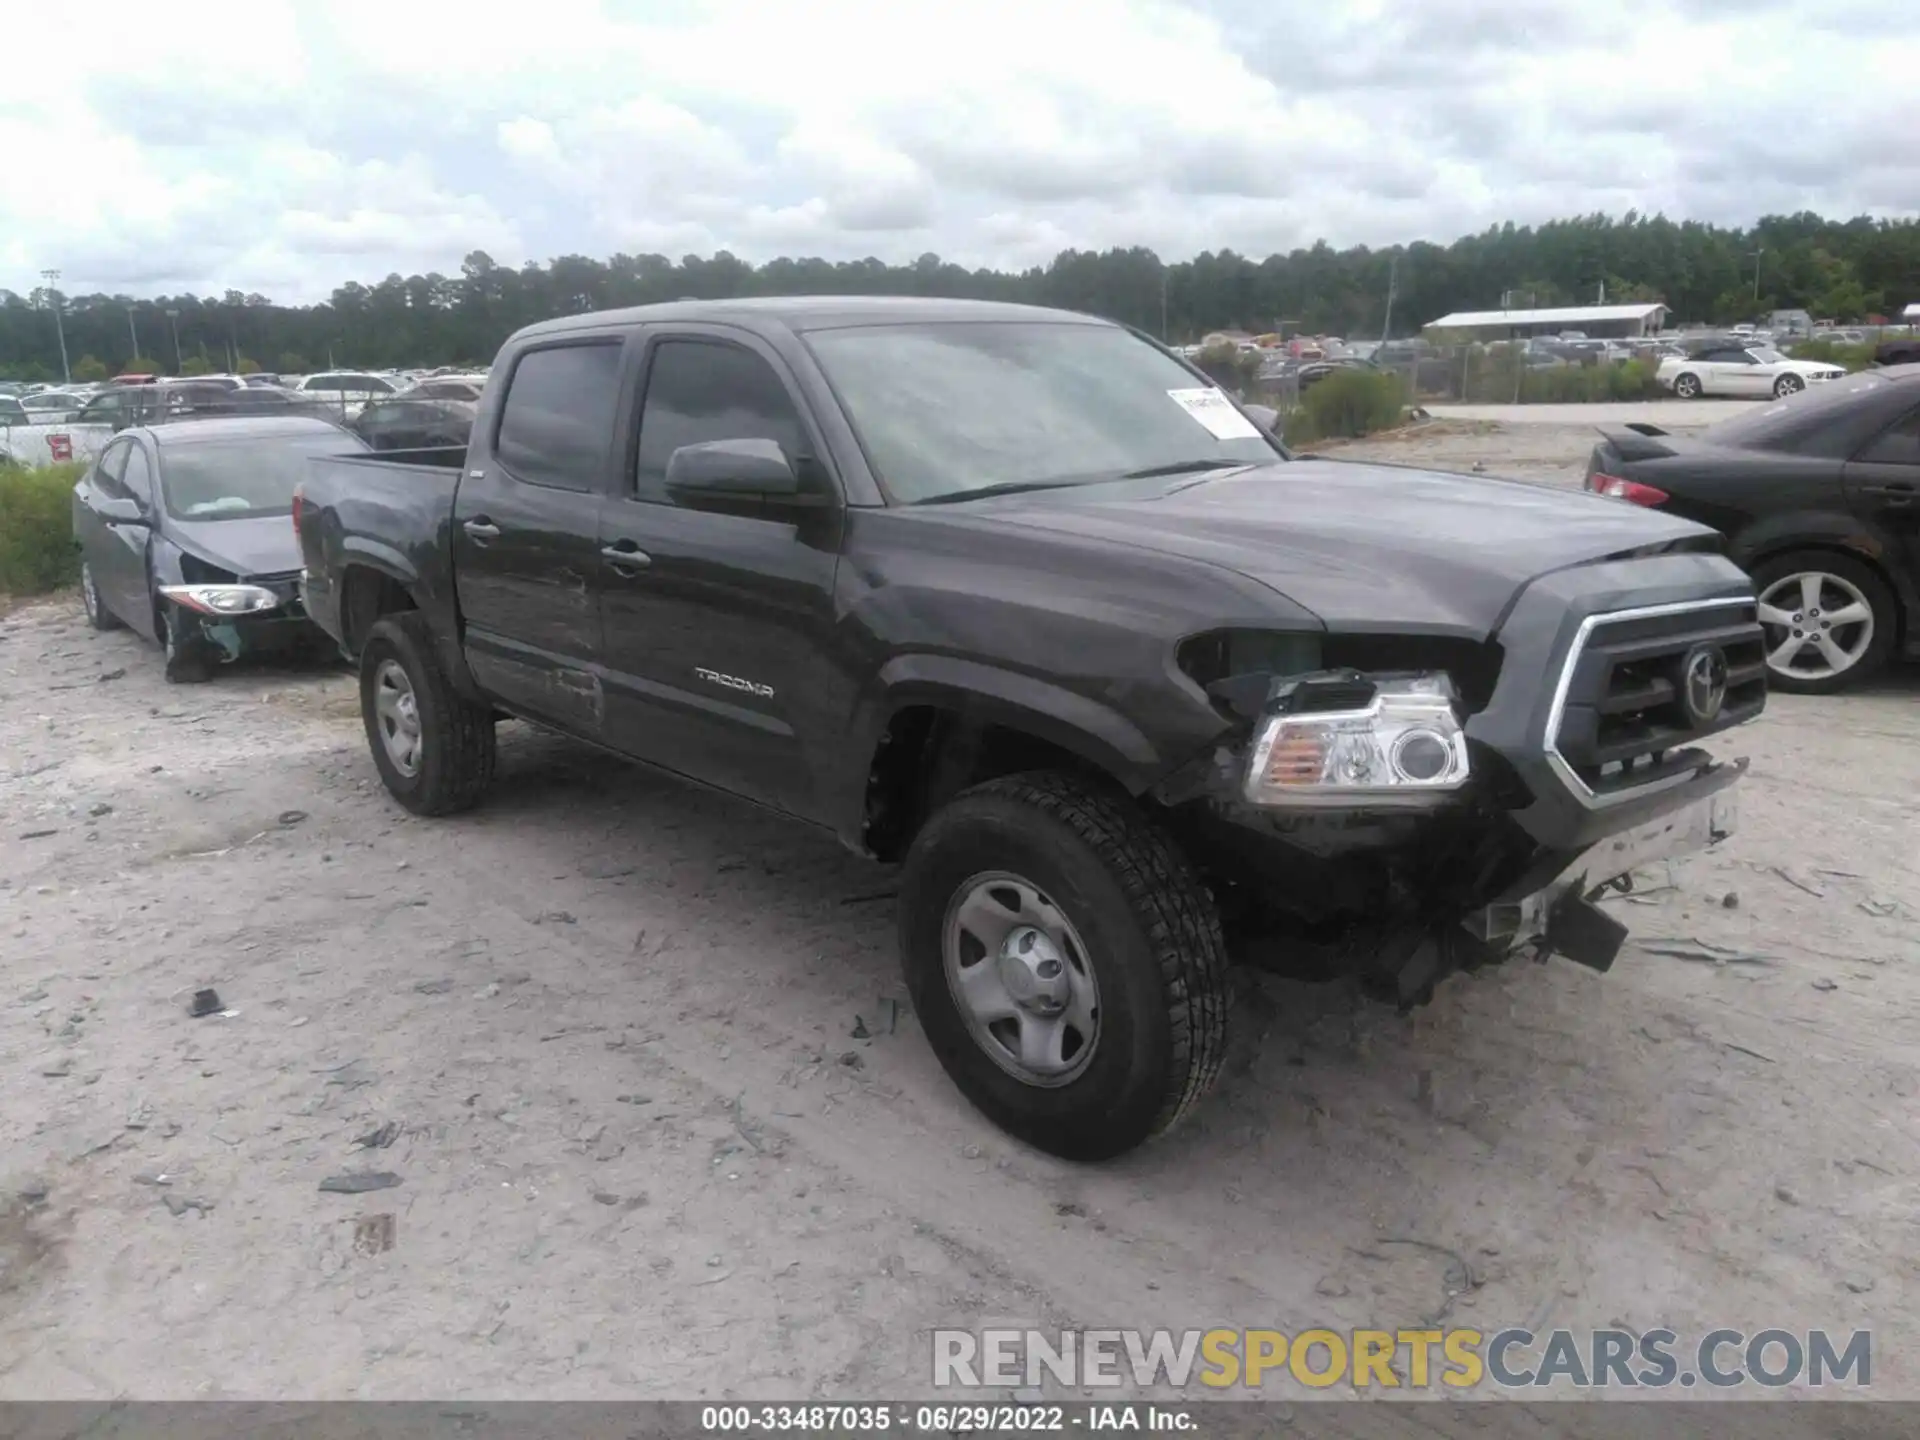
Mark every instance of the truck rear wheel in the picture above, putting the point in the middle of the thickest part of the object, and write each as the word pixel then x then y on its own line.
pixel 432 745
pixel 1067 966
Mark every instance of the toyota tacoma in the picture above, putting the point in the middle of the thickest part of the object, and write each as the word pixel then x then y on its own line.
pixel 1019 601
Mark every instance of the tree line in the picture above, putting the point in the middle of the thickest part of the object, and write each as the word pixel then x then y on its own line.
pixel 1847 269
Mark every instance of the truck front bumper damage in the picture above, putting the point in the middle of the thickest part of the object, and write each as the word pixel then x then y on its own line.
pixel 1557 915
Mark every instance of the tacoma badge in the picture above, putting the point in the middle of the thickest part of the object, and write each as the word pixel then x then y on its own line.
pixel 734 682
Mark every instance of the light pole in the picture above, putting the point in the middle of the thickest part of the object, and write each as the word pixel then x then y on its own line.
pixel 52 277
pixel 1756 273
pixel 173 323
pixel 133 335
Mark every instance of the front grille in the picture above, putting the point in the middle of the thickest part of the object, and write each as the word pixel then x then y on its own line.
pixel 1625 715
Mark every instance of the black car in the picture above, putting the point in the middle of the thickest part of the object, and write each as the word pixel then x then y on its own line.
pixel 185 535
pixel 1819 498
pixel 410 423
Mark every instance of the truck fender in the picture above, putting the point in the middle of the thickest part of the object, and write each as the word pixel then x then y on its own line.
pixel 1078 724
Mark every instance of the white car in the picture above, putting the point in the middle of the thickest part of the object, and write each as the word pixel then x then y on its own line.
pixel 351 390
pixel 1750 371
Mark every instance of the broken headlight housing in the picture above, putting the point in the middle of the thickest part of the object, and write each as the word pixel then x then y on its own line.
pixel 1343 738
pixel 223 599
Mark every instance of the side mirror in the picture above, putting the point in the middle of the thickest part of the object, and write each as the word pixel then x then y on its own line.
pixel 119 510
pixel 736 472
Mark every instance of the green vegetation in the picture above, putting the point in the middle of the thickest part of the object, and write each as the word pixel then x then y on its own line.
pixel 36 528
pixel 89 369
pixel 1489 378
pixel 1848 269
pixel 1346 405
pixel 1854 357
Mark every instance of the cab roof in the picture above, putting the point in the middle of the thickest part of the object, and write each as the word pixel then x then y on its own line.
pixel 814 312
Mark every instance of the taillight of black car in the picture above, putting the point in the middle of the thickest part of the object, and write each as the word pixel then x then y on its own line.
pixel 1602 483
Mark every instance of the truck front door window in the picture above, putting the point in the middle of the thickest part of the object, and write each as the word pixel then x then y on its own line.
pixel 558 417
pixel 697 392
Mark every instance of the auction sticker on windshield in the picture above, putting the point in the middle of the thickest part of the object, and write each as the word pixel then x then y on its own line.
pixel 1213 410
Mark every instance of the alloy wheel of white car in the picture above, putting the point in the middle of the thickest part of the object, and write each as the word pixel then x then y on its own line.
pixel 1818 626
pixel 1687 387
pixel 1788 385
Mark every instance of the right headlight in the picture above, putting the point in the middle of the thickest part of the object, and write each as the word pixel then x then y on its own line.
pixel 1333 743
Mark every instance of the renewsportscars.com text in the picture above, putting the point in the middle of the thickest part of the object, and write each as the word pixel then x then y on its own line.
pixel 1458 1359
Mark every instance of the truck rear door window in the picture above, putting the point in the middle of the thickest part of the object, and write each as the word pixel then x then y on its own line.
pixel 557 420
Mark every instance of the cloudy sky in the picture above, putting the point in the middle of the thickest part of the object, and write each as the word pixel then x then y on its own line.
pixel 285 146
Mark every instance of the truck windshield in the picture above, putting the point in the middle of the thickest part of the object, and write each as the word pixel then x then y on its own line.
pixel 241 479
pixel 944 409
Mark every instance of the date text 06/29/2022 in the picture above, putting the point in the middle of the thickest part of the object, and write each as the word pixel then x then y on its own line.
pixel 1460 1359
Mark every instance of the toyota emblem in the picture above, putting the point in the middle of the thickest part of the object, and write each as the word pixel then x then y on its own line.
pixel 1705 684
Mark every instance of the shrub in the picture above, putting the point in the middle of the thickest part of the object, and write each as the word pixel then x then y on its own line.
pixel 1228 367
pixel 1348 403
pixel 1854 357
pixel 36 528
pixel 89 369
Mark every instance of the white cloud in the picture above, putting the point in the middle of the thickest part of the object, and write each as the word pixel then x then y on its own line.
pixel 288 147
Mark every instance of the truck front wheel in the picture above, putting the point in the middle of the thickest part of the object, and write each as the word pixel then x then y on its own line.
pixel 1066 964
pixel 432 745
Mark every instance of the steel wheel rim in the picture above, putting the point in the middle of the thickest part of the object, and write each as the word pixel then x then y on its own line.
pixel 89 596
pixel 396 714
pixel 1021 979
pixel 1802 622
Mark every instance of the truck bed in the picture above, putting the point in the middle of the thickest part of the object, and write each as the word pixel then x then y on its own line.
pixel 389 511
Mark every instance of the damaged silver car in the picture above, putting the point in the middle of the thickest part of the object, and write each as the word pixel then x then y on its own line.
pixel 186 536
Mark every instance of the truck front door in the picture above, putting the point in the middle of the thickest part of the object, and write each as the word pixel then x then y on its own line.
pixel 526 525
pixel 717 625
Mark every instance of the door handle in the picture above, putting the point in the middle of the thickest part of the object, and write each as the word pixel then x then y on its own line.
pixel 481 529
pixel 625 556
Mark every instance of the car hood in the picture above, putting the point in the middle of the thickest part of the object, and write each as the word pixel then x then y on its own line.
pixel 258 545
pixel 1368 548
pixel 1810 367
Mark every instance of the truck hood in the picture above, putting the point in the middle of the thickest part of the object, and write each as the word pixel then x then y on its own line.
pixel 261 545
pixel 1377 548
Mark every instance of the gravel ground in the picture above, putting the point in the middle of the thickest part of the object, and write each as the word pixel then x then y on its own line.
pixel 611 1022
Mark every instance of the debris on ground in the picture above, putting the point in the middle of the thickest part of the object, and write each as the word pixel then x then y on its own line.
pixel 852 1060
pixel 381 1138
pixel 373 1234
pixel 1797 883
pixel 119 674
pixel 292 817
pixel 178 1205
pixel 433 987
pixel 1823 983
pixel 860 1031
pixel 99 808
pixel 204 1003
pixel 359 1182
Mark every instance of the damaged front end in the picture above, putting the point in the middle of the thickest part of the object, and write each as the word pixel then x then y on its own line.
pixel 1351 825
pixel 213 616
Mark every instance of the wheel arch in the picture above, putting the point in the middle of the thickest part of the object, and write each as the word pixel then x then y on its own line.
pixel 933 726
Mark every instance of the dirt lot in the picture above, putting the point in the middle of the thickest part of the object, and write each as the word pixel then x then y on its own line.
pixel 644 1150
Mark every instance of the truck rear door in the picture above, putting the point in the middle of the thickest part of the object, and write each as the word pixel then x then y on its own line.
pixel 717 625
pixel 526 526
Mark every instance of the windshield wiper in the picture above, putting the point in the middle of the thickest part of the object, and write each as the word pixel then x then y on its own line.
pixel 1185 467
pixel 1006 487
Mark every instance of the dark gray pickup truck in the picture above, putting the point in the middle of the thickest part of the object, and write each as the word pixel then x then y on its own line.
pixel 1018 600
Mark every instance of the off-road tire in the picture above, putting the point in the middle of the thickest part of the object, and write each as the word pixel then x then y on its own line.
pixel 1879 597
pixel 98 616
pixel 1153 940
pixel 189 654
pixel 457 759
